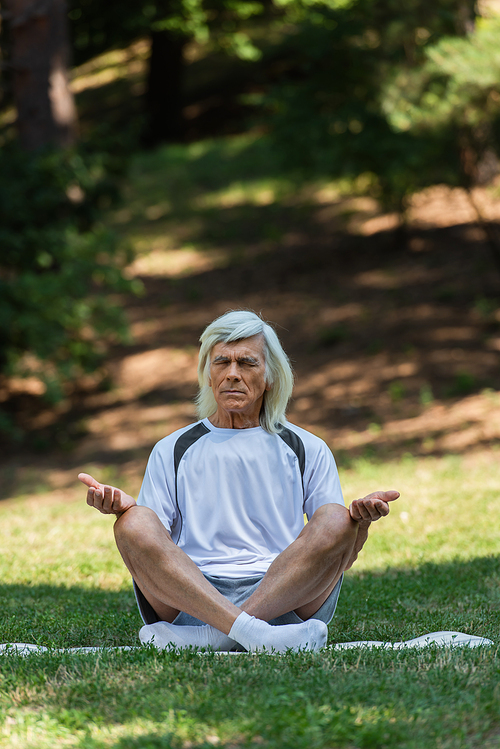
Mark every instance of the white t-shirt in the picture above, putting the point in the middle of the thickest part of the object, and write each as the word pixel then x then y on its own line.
pixel 240 497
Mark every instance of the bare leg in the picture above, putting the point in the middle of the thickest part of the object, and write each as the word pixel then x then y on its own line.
pixel 168 578
pixel 302 577
pixel 171 582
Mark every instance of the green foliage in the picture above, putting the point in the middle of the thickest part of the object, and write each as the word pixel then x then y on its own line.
pixel 464 383
pixel 397 94
pixel 94 28
pixel 426 395
pixel 457 88
pixel 58 266
pixel 459 82
pixel 397 391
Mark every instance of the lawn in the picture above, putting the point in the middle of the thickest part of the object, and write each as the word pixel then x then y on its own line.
pixel 433 564
pixel 394 339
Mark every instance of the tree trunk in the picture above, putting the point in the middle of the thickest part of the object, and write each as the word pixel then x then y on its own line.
pixel 46 112
pixel 164 97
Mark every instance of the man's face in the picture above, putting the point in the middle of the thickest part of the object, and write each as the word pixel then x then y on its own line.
pixel 237 376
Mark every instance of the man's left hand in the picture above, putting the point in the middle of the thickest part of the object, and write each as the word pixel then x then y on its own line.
pixel 372 507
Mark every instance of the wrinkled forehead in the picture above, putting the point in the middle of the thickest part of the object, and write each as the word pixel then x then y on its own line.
pixel 252 347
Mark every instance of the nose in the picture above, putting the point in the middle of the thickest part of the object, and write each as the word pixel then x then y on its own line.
pixel 233 373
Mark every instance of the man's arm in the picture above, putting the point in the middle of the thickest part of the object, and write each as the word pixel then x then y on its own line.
pixel 107 499
pixel 366 511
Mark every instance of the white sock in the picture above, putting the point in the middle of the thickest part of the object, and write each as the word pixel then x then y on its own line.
pixel 255 634
pixel 163 634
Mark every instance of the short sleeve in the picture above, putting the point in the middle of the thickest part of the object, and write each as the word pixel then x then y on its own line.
pixel 321 479
pixel 158 485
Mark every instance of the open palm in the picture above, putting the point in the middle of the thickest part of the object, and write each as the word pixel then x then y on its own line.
pixel 107 499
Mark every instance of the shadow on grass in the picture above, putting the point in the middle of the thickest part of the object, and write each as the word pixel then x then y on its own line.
pixel 142 699
pixel 399 604
pixel 391 605
pixel 60 616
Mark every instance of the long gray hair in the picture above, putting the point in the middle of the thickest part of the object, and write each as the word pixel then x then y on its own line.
pixel 235 326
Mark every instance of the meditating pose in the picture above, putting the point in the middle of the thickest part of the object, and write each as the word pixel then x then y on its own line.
pixel 216 543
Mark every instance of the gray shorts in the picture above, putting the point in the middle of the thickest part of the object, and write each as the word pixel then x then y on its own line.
pixel 237 591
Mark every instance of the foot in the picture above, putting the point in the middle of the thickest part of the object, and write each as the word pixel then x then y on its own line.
pixel 163 634
pixel 256 635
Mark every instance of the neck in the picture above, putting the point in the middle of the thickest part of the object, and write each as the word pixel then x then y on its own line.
pixel 234 420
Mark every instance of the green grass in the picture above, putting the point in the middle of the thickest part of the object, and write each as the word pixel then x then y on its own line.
pixel 433 564
pixel 219 201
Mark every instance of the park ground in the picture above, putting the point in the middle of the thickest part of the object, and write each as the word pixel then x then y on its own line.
pixel 394 335
pixel 393 332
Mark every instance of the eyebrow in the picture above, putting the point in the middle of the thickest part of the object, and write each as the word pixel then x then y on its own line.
pixel 240 359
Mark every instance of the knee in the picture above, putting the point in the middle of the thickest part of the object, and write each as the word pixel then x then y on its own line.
pixel 334 529
pixel 135 524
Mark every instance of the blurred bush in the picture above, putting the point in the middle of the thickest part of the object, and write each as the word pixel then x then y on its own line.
pixel 396 96
pixel 60 268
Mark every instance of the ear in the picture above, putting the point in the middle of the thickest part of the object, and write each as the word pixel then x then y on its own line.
pixel 268 386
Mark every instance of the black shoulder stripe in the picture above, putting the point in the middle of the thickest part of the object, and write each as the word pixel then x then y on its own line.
pixel 185 441
pixel 295 443
pixel 181 446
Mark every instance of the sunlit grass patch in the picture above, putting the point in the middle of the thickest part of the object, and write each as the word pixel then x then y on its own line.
pixel 444 513
pixel 111 66
pixel 212 198
pixel 433 564
pixel 58 543
pixel 442 518
pixel 350 699
pixel 156 258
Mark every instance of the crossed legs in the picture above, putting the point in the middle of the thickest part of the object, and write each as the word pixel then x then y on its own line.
pixel 300 579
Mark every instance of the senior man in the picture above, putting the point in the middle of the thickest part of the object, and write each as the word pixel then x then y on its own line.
pixel 216 543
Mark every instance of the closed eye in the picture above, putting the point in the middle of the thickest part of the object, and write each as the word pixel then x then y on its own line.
pixel 244 360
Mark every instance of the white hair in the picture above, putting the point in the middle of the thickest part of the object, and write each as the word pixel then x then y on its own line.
pixel 236 326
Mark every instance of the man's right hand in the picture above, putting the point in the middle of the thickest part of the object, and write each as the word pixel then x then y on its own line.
pixel 107 499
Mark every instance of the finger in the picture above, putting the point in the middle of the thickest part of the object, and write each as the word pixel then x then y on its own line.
pixel 116 501
pixel 379 509
pixel 370 508
pixel 354 512
pixel 88 480
pixel 91 497
pixel 97 497
pixel 107 499
pixel 391 495
pixel 373 511
pixel 388 496
pixel 360 510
